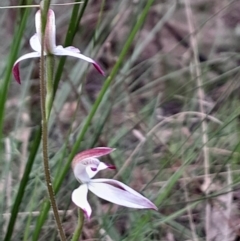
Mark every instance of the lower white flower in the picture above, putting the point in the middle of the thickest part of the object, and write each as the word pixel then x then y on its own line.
pixel 85 166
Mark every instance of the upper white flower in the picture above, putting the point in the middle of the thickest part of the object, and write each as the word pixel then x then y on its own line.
pixel 85 166
pixel 50 46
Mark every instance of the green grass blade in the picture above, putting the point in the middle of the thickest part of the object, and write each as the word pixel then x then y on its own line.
pixel 23 185
pixel 12 57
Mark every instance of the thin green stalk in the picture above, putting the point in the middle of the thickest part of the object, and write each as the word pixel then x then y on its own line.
pixel 51 194
pixel 44 6
pixel 45 153
pixel 49 94
pixel 78 230
pixel 87 123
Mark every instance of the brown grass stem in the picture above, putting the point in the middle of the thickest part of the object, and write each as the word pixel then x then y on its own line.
pixel 201 95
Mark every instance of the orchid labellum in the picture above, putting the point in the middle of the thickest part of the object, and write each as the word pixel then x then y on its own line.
pixel 50 46
pixel 85 166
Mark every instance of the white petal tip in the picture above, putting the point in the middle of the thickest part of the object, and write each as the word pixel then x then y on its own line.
pixel 153 207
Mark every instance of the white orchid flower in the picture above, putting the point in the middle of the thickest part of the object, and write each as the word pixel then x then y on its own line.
pixel 49 45
pixel 85 166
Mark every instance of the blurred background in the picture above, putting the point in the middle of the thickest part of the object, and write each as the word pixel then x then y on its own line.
pixel 169 104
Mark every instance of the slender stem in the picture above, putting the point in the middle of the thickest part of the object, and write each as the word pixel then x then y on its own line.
pixel 204 127
pixel 45 153
pixel 45 128
pixel 78 230
pixel 49 94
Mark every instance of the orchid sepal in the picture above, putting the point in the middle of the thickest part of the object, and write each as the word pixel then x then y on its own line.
pixel 84 205
pixel 15 69
pixel 50 45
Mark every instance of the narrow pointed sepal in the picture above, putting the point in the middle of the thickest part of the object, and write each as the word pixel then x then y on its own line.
pixel 35 44
pixel 119 193
pixel 15 69
pixel 59 50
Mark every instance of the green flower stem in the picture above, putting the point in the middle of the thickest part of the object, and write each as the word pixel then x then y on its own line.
pixel 44 6
pixel 78 230
pixel 44 10
pixel 49 94
pixel 45 152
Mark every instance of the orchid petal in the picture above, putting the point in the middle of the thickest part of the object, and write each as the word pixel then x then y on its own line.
pixel 59 50
pixel 92 170
pixel 79 197
pixel 38 24
pixel 50 30
pixel 72 48
pixel 81 174
pixel 15 69
pixel 86 165
pixel 35 44
pixel 86 169
pixel 103 166
pixel 119 193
